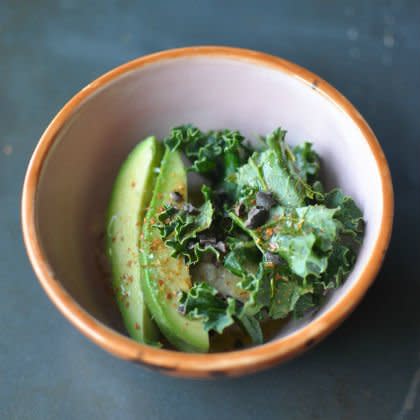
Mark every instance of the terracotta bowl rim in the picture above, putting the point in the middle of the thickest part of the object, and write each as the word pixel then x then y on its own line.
pixel 217 364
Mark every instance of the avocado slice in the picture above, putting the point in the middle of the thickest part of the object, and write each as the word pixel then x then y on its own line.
pixel 163 275
pixel 130 196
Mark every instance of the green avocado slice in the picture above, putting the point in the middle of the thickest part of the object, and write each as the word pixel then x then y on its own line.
pixel 163 275
pixel 131 194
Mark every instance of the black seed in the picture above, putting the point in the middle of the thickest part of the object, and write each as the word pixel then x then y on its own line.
pixel 239 304
pixel 176 196
pixel 265 200
pixel 191 245
pixel 273 258
pixel 190 209
pixel 206 241
pixel 257 216
pixel 220 296
pixel 240 209
pixel 221 246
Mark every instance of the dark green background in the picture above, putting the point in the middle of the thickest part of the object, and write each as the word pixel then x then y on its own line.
pixel 370 50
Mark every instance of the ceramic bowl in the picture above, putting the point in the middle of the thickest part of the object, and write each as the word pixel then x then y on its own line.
pixel 71 172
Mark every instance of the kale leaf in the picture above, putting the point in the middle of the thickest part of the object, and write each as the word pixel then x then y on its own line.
pixel 204 302
pixel 215 154
pixel 306 161
pixel 268 171
pixel 302 236
pixel 287 174
pixel 180 229
pixel 348 213
pixel 304 244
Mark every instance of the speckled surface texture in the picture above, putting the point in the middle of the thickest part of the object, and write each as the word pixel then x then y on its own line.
pixel 370 367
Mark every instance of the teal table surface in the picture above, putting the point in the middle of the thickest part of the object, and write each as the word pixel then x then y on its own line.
pixel 369 368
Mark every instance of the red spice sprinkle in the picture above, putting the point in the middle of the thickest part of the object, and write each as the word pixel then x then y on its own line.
pixel 269 232
pixel 129 263
pixel 114 239
pixel 155 244
pixel 130 279
pixel 136 326
pixel 169 295
pixel 161 282
pixel 133 184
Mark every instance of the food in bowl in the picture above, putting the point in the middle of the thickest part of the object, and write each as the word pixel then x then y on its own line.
pixel 264 240
pixel 213 87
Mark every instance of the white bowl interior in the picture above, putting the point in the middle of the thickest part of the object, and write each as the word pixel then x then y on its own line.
pixel 210 92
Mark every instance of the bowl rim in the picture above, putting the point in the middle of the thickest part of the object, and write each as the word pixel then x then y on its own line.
pixel 213 364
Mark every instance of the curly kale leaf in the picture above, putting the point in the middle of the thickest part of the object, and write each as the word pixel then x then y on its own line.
pixel 215 154
pixel 258 287
pixel 303 237
pixel 180 229
pixel 314 235
pixel 280 171
pixel 204 302
pixel 348 213
pixel 311 241
pixel 272 290
pixel 285 296
pixel 244 260
pixel 306 162
pixel 268 171
pixel 340 263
